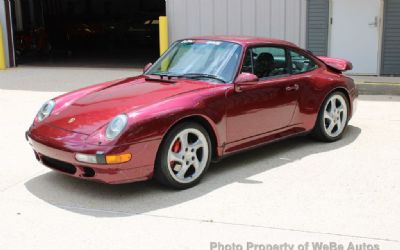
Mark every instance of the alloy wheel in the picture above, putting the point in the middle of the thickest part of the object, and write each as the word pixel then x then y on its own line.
pixel 335 115
pixel 187 155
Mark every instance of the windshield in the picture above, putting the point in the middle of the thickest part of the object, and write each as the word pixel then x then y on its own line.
pixel 214 61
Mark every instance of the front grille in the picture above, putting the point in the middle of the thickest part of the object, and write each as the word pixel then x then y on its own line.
pixel 59 165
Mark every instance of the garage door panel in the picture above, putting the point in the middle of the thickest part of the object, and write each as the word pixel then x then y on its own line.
pixel 391 38
pixel 317 26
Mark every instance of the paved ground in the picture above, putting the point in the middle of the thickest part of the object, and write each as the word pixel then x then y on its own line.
pixel 292 192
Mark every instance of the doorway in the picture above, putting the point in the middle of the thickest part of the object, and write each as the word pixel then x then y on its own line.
pixel 105 33
pixel 355 34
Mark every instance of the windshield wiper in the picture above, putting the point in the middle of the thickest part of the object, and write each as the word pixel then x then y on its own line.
pixel 200 75
pixel 169 75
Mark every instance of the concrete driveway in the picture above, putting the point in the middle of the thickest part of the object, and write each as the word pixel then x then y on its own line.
pixel 291 192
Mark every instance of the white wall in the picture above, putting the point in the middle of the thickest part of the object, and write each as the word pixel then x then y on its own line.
pixel 282 19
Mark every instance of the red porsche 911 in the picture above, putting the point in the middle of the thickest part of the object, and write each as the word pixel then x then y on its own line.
pixel 204 99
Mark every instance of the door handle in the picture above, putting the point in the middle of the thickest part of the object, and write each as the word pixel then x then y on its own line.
pixel 375 23
pixel 294 87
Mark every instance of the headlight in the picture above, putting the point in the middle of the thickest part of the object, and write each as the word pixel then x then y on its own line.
pixel 116 126
pixel 45 110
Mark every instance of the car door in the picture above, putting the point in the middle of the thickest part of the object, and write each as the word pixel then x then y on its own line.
pixel 268 104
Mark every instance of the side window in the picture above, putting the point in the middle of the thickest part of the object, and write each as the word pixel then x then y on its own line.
pixel 266 62
pixel 301 64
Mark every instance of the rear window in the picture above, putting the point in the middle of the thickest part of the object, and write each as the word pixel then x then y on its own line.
pixel 301 63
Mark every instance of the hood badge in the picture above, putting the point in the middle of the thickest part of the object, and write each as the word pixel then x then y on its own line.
pixel 71 120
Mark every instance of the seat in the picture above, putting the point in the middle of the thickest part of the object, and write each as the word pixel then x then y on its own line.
pixel 264 65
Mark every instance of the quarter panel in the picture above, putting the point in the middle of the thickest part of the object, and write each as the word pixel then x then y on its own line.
pixel 316 86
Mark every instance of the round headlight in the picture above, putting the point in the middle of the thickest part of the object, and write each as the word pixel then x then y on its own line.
pixel 116 126
pixel 45 110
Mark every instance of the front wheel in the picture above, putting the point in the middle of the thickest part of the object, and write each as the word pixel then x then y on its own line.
pixel 184 156
pixel 332 118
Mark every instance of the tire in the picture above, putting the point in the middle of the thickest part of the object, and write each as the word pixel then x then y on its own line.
pixel 333 118
pixel 184 156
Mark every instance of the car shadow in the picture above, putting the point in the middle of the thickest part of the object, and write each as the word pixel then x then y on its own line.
pixel 102 200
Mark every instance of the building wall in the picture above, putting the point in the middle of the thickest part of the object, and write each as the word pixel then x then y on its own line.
pixel 282 19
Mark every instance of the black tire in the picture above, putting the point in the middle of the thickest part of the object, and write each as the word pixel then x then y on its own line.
pixel 319 132
pixel 162 173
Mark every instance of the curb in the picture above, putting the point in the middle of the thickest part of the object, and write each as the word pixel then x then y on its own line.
pixel 378 88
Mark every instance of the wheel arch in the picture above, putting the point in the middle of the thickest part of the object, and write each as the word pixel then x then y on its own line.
pixel 339 89
pixel 317 131
pixel 202 121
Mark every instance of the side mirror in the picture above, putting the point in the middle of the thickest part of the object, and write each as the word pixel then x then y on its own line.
pixel 245 79
pixel 147 67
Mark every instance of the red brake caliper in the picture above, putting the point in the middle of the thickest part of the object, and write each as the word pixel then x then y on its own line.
pixel 175 148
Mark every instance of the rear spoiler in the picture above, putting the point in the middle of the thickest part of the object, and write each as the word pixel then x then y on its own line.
pixel 336 64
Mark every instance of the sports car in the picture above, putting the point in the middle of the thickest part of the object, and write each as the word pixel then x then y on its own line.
pixel 204 99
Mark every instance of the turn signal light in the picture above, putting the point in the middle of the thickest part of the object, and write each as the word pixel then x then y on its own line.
pixel 117 159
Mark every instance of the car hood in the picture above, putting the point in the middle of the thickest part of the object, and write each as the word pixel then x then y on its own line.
pixel 94 110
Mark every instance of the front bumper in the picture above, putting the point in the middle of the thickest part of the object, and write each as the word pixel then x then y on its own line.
pixel 62 159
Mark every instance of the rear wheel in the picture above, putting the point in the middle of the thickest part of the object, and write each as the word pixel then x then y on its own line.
pixel 184 156
pixel 332 118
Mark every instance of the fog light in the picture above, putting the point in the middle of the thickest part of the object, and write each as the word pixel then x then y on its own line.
pixel 86 158
pixel 116 159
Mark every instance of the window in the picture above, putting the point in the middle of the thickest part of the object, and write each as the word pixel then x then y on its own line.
pixel 266 62
pixel 301 64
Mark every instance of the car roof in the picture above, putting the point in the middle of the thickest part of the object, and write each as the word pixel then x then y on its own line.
pixel 247 40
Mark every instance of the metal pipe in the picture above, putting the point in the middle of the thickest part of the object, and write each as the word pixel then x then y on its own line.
pixel 2 54
pixel 163 26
